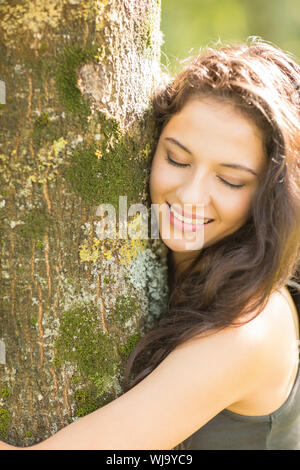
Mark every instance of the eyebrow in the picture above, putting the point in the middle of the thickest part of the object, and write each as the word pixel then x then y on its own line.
pixel 227 165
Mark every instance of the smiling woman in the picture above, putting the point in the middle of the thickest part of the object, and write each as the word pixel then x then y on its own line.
pixel 228 155
pixel 215 162
pixel 220 371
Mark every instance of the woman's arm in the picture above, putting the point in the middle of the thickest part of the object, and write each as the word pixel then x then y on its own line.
pixel 4 446
pixel 194 383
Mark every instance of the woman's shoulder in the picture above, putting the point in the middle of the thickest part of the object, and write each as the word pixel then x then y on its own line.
pixel 264 352
pixel 276 328
pixel 279 320
pixel 260 329
pixel 254 364
pixel 276 321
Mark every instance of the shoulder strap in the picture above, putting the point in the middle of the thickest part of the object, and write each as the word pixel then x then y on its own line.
pixel 294 289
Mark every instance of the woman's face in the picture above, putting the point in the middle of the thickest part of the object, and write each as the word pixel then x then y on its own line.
pixel 207 164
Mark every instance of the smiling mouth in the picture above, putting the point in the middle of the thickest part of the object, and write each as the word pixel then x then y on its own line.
pixel 190 221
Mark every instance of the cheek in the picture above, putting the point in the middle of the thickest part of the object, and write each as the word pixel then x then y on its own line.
pixel 235 208
pixel 160 180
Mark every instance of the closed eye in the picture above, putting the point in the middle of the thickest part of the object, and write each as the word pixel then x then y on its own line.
pixel 172 162
pixel 234 186
pixel 184 165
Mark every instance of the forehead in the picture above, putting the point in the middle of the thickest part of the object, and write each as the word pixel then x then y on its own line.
pixel 217 130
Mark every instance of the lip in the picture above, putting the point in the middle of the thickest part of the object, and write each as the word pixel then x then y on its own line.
pixel 188 215
pixel 183 226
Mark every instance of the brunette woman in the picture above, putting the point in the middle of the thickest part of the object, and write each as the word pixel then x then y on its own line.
pixel 221 369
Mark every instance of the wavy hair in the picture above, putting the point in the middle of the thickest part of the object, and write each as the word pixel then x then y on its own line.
pixel 236 275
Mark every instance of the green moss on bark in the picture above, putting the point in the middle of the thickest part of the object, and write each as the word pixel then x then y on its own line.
pixel 68 64
pixel 100 173
pixel 45 130
pixel 4 422
pixel 87 400
pixel 97 355
pixel 126 349
pixel 35 224
pixel 125 309
pixel 5 393
pixel 82 341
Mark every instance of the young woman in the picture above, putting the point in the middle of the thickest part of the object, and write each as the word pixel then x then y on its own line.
pixel 221 369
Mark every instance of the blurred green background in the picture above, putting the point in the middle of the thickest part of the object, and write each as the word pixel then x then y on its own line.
pixel 188 25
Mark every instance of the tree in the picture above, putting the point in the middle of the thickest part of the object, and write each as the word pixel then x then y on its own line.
pixel 76 132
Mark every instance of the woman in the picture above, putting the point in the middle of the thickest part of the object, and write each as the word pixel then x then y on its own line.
pixel 221 369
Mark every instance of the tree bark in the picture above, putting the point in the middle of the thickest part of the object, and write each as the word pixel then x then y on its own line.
pixel 76 132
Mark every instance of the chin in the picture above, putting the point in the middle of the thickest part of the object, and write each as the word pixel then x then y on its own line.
pixel 184 246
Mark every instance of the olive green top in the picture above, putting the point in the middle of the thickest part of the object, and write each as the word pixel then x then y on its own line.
pixel 279 430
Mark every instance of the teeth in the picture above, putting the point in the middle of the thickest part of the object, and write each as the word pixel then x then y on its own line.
pixel 186 220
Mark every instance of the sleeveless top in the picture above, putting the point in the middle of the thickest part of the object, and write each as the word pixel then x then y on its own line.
pixel 279 430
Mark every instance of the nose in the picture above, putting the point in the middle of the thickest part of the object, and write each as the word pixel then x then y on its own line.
pixel 195 189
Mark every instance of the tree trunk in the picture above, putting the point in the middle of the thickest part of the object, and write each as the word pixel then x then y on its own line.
pixel 76 132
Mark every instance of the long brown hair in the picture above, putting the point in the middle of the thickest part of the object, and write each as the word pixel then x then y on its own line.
pixel 237 274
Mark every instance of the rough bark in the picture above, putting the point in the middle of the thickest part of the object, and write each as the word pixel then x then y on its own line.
pixel 76 132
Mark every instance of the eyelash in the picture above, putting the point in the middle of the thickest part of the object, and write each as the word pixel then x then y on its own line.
pixel 183 165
